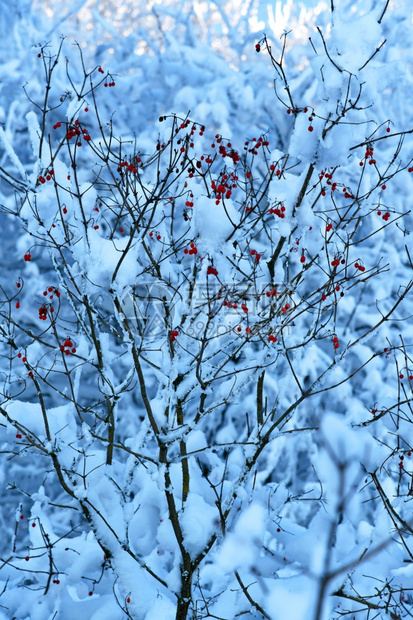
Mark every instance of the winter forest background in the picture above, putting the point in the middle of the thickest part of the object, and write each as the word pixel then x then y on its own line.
pixel 206 309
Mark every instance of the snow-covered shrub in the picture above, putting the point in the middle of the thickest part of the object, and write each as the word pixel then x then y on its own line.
pixel 206 371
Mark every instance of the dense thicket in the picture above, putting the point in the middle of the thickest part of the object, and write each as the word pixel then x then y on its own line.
pixel 205 312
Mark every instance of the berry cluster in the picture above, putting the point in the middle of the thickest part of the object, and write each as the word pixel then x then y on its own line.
pixel 131 167
pixel 278 211
pixel 43 312
pixel 211 271
pixel 48 176
pixel 224 186
pixel 256 255
pixel 328 177
pixel 158 236
pixel 74 131
pixel 297 110
pixel 230 304
pixel 369 155
pixel 256 146
pixel 272 168
pixel 67 347
pixel 384 216
pixel 226 150
pixel 51 291
pixel 192 249
pixel 190 203
pixel 173 335
pixel 247 329
pixel 359 267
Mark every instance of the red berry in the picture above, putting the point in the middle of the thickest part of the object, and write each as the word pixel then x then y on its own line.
pixel 310 128
pixel 302 259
